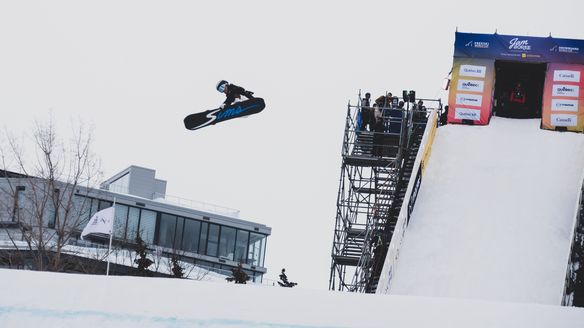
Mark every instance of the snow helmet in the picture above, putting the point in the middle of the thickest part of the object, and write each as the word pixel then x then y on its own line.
pixel 221 85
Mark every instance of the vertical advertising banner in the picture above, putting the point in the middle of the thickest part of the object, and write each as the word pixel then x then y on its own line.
pixel 471 90
pixel 563 97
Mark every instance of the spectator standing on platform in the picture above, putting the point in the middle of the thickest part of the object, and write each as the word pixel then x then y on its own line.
pixel 444 116
pixel 366 112
pixel 378 125
pixel 384 101
pixel 366 102
pixel 380 101
pixel 419 110
pixel 388 100
pixel 377 111
pixel 394 102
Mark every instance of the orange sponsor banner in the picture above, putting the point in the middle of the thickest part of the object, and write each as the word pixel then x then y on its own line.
pixel 563 97
pixel 471 91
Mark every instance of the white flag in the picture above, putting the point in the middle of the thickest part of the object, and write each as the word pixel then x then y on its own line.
pixel 100 222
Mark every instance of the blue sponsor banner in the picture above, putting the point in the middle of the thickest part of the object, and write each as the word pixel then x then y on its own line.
pixel 519 48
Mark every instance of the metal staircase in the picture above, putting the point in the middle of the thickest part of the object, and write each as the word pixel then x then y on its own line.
pixel 574 285
pixel 375 172
pixel 403 180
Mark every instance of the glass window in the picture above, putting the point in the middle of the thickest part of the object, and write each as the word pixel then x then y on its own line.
pixel 20 202
pixel 227 242
pixel 120 221
pixel 257 277
pixel 241 246
pixel 121 185
pixel 254 256
pixel 147 226
pixel 133 220
pixel 213 240
pixel 166 231
pixel 179 232
pixel 94 203
pixel 252 276
pixel 190 242
pixel 50 214
pixel 263 251
pixel 81 207
pixel 203 242
pixel 104 204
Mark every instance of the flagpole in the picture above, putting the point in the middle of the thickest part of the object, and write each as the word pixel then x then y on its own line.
pixel 110 240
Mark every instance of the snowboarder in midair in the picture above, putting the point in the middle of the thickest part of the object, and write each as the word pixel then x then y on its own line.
pixel 230 108
pixel 232 92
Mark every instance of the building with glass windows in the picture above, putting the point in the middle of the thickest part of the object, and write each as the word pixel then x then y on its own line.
pixel 209 236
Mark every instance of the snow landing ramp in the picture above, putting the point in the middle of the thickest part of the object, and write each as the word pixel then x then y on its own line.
pixel 494 215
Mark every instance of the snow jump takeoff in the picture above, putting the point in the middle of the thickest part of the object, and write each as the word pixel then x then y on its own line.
pixel 232 107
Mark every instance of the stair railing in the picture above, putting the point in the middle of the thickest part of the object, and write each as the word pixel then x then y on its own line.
pixel 349 134
pixel 405 211
pixel 576 254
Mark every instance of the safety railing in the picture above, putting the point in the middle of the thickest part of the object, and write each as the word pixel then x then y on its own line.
pixel 407 205
pixel 376 224
pixel 197 205
pixel 376 141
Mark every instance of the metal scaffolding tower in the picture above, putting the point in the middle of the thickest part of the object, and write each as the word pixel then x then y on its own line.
pixel 372 183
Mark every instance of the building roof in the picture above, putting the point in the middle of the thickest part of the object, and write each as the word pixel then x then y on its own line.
pixel 10 174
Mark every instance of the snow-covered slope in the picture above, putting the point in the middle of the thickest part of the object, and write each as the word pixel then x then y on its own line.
pixel 494 214
pixel 40 299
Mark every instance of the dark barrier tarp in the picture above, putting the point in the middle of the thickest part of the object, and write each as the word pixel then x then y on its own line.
pixel 519 48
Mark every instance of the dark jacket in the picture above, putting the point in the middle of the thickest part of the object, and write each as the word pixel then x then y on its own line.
pixel 366 102
pixel 234 91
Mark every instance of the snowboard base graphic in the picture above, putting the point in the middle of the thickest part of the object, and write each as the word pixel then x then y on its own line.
pixel 214 116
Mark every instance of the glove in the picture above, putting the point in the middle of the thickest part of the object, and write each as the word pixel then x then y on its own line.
pixel 248 94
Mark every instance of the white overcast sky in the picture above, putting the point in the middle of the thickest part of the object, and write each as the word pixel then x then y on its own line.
pixel 135 69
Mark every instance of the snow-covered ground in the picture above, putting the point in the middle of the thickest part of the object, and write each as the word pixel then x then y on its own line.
pixel 494 214
pixel 487 246
pixel 41 299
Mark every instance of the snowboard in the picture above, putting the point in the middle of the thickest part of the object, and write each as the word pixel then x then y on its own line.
pixel 214 116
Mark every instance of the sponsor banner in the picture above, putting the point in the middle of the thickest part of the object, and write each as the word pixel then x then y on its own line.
pixel 569 50
pixel 469 99
pixel 564 120
pixel 414 195
pixel 568 105
pixel 472 97
pixel 467 114
pixel 520 48
pixel 566 76
pixel 563 102
pixel 471 85
pixel 565 90
pixel 472 70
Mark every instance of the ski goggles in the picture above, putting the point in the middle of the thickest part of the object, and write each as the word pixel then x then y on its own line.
pixel 222 87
